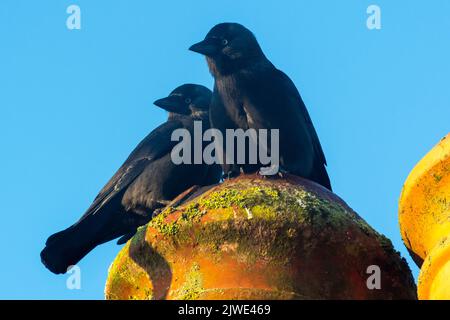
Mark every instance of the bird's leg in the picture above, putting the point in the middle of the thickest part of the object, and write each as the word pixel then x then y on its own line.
pixel 175 202
pixel 161 205
pixel 164 203
pixel 184 195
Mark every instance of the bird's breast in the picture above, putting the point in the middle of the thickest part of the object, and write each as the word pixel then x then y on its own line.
pixel 232 100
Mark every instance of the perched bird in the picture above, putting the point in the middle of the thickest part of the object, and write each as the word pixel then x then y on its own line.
pixel 147 181
pixel 250 92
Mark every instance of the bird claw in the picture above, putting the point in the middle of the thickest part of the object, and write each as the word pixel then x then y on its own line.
pixel 272 172
pixel 230 174
pixel 282 173
pixel 268 171
pixel 157 212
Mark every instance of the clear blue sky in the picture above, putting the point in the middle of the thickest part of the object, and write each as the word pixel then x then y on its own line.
pixel 75 103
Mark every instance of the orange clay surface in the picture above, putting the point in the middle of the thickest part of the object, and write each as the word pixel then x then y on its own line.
pixel 253 238
pixel 424 216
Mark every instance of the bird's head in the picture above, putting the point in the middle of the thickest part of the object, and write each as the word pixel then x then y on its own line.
pixel 189 100
pixel 229 47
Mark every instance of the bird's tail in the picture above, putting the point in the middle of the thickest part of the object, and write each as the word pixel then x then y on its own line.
pixel 66 248
pixel 321 177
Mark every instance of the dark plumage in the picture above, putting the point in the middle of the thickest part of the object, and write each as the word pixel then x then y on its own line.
pixel 147 180
pixel 249 92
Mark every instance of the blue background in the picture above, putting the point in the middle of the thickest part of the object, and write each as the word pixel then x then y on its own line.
pixel 73 104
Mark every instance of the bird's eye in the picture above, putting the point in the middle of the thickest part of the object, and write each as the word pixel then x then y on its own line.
pixel 187 100
pixel 224 42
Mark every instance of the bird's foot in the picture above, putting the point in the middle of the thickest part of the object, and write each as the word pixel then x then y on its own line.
pixel 231 174
pixel 157 212
pixel 272 172
pixel 282 173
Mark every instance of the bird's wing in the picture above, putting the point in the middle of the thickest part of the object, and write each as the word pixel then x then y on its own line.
pixel 157 144
pixel 287 88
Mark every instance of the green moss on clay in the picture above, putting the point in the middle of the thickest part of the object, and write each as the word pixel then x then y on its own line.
pixel 259 202
pixel 189 214
pixel 124 273
pixel 165 228
pixel 263 212
pixel 437 177
pixel 192 286
pixel 192 213
pixel 274 207
pixel 242 198
pixel 252 220
pixel 139 237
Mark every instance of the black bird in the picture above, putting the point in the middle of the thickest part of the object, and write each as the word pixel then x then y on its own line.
pixel 147 181
pixel 250 92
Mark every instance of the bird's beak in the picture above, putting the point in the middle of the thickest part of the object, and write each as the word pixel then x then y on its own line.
pixel 207 47
pixel 170 103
